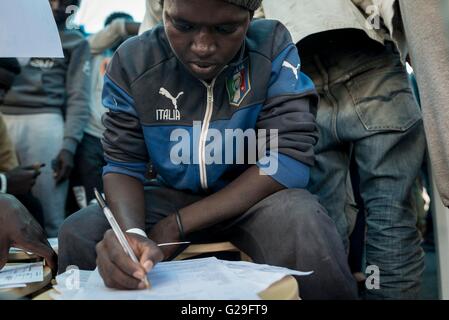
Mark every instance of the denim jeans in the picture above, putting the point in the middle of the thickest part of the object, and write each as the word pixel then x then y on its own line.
pixel 367 111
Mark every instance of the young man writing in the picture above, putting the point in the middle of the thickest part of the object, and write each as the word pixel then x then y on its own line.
pixel 206 71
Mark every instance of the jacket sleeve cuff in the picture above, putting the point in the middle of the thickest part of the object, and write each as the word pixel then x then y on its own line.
pixel 136 171
pixel 287 171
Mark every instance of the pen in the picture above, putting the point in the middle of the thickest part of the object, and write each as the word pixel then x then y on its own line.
pixel 118 232
pixel 172 243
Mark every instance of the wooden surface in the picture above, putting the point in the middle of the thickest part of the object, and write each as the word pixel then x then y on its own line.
pixel 284 289
pixel 198 249
pixel 31 287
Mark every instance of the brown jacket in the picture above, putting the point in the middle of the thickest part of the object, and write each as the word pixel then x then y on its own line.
pixel 8 159
pixel 425 28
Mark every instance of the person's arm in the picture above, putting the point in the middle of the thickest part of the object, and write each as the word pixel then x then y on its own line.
pixel 115 32
pixel 153 15
pixel 19 229
pixel 226 204
pixel 127 158
pixel 125 151
pixel 78 86
pixel 125 198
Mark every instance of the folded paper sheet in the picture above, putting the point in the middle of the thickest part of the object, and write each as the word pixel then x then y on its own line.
pixel 17 276
pixel 28 29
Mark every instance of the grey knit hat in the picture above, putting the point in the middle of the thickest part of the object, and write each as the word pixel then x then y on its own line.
pixel 251 5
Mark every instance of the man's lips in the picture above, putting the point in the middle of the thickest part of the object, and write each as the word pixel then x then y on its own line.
pixel 202 67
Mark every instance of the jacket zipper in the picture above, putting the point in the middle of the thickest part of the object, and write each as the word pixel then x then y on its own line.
pixel 204 132
pixel 205 129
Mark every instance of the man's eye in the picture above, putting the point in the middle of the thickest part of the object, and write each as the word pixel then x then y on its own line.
pixel 226 29
pixel 184 27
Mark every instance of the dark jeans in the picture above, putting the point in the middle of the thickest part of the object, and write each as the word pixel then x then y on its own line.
pixel 289 228
pixel 89 163
pixel 367 109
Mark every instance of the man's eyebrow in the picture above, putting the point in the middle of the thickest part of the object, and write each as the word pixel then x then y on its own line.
pixel 181 20
pixel 221 23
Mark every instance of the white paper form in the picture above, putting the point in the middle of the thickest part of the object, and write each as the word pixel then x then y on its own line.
pixel 13 286
pixel 28 29
pixel 261 276
pixel 69 283
pixel 202 279
pixel 21 274
pixel 249 266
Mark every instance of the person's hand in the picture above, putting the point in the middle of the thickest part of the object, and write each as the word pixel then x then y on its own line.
pixel 116 267
pixel 22 179
pixel 19 229
pixel 166 230
pixel 132 28
pixel 63 165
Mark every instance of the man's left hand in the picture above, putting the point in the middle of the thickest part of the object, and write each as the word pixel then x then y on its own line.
pixel 165 231
pixel 63 165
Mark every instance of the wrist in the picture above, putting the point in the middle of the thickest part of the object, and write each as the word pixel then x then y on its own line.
pixel 179 226
pixel 138 231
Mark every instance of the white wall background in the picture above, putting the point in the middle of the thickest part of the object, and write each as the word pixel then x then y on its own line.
pixel 93 13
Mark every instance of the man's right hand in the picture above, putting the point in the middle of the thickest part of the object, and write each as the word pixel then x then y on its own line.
pixel 116 267
pixel 22 179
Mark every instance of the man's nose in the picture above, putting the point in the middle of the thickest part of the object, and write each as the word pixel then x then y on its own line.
pixel 204 44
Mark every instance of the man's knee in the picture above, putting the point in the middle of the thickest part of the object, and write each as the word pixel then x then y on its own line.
pixel 299 209
pixel 78 236
pixel 67 231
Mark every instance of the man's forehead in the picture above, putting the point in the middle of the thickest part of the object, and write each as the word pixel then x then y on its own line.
pixel 211 12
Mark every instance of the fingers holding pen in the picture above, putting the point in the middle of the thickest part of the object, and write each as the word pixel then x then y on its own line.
pixel 116 268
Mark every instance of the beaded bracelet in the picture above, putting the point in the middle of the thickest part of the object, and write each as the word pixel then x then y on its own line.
pixel 180 227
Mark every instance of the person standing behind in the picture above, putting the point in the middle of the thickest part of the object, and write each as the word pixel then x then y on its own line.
pixel 355 55
pixel 89 158
pixel 45 90
pixel 14 179
pixel 17 226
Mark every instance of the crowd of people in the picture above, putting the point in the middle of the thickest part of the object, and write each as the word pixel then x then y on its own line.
pixel 327 75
